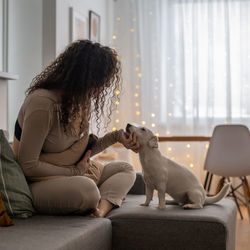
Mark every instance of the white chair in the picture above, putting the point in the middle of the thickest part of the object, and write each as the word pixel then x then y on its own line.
pixel 228 156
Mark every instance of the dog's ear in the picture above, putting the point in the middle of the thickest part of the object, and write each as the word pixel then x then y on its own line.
pixel 153 142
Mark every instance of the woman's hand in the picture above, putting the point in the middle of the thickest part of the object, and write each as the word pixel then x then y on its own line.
pixel 84 164
pixel 130 141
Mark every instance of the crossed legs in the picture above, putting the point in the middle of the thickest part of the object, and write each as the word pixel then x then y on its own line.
pixel 80 194
pixel 116 180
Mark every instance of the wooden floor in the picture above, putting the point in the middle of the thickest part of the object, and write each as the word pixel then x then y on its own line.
pixel 243 231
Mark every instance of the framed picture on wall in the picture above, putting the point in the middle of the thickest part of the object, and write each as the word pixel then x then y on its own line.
pixel 78 26
pixel 94 27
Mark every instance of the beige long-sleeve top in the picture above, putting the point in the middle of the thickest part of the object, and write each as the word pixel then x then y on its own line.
pixel 45 149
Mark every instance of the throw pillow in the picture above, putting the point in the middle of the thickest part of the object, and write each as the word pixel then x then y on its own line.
pixel 13 186
pixel 4 218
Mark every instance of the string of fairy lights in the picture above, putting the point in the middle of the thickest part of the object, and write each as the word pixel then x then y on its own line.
pixel 151 119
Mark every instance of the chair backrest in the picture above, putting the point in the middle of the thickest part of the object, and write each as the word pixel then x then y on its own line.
pixel 229 151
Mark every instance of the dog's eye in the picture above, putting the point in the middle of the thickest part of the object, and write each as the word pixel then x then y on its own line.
pixel 143 129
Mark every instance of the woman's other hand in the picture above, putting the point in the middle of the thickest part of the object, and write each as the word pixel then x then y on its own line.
pixel 130 141
pixel 84 164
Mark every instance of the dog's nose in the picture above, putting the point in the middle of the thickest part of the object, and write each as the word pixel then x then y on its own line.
pixel 127 127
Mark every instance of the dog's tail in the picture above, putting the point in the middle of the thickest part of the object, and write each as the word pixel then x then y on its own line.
pixel 219 196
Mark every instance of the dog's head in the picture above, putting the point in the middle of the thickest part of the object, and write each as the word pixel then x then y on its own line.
pixel 144 135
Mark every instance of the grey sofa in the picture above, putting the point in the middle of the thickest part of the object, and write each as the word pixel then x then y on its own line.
pixel 131 227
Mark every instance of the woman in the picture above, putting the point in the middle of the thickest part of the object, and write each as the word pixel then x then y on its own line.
pixel 51 134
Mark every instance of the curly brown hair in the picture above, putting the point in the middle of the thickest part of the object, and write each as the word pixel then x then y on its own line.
pixel 85 72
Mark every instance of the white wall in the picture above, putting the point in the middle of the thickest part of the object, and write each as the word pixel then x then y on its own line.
pixel 38 32
pixel 101 7
pixel 56 23
pixel 49 32
pixel 24 51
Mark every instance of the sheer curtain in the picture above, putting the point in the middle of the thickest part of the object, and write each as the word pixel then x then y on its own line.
pixel 185 64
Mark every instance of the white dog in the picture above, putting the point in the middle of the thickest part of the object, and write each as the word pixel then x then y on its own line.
pixel 167 176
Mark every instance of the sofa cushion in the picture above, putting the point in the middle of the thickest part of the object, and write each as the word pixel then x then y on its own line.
pixel 137 227
pixel 13 186
pixel 57 233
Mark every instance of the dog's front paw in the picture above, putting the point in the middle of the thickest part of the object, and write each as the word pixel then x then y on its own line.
pixel 186 206
pixel 144 204
pixel 161 207
pixel 191 206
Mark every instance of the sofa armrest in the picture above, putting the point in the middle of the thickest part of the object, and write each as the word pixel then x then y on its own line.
pixel 139 185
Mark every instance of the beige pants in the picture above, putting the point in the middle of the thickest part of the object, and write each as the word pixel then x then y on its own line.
pixel 78 194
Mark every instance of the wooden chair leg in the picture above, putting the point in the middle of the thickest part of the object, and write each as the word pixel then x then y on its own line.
pixel 220 185
pixel 235 199
pixel 206 180
pixel 209 183
pixel 246 193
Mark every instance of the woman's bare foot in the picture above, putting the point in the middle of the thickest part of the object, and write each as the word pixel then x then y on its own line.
pixel 95 213
pixel 104 207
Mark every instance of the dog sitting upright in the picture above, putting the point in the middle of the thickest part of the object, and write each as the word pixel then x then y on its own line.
pixel 167 176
